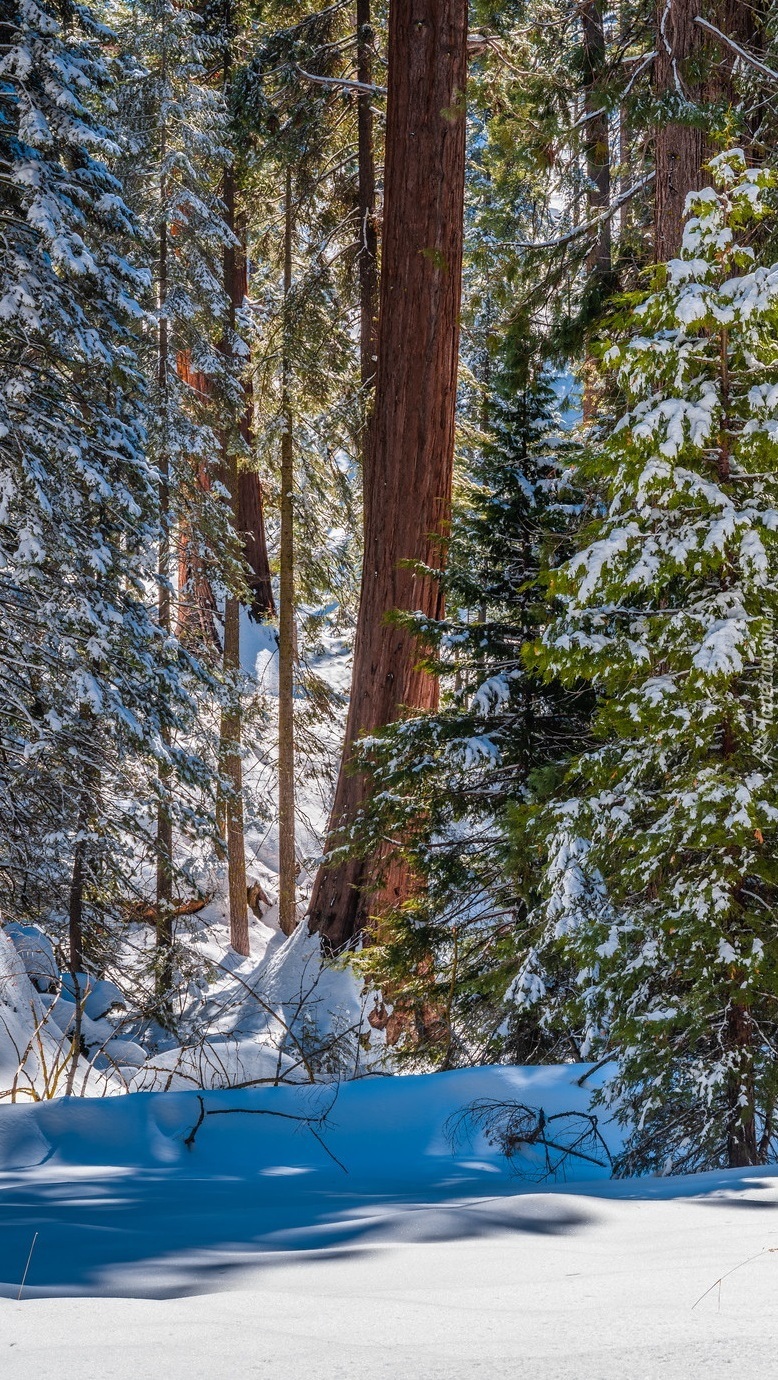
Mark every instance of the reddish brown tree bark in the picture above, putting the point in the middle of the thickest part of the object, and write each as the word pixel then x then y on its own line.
pixel 408 488
pixel 250 518
pixel 287 857
pixel 677 145
pixel 251 526
pixel 196 612
pixel 691 65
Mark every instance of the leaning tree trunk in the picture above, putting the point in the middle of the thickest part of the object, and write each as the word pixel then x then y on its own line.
pixel 408 482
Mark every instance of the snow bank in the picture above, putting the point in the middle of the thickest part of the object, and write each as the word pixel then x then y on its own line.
pixel 30 1054
pixel 245 1249
pixel 374 1130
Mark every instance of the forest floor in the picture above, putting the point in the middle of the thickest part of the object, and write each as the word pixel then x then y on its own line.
pixel 338 1231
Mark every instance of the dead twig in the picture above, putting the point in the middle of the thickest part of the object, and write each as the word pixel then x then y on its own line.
pixel 309 1122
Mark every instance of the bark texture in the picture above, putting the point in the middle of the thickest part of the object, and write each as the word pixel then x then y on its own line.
pixel 164 847
pixel 230 739
pixel 598 176
pixel 742 1146
pixel 287 860
pixel 251 517
pixel 597 142
pixel 368 231
pixel 678 146
pixel 691 67
pixel 408 484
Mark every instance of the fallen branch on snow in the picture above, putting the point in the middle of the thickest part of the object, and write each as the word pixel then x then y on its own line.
pixel 309 1122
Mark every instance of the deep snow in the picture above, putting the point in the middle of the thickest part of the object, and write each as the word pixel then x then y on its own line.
pixel 253 1253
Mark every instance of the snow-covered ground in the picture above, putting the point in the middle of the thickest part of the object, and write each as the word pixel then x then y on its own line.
pixel 335 1229
pixel 276 1015
pixel 358 1241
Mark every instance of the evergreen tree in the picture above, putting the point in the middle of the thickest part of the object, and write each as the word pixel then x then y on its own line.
pixel 92 687
pixel 174 130
pixel 447 781
pixel 662 877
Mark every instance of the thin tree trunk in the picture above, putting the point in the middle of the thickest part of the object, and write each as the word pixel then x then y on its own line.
pixel 231 725
pixel 742 1147
pixel 76 909
pixel 287 861
pixel 408 489
pixel 598 177
pixel 596 135
pixel 164 845
pixel 368 233
pixel 85 747
pixel 251 517
pixel 739 1033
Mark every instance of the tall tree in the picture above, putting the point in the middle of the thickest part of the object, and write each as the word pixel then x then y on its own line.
pixel 661 876
pixel 287 861
pixel 597 135
pixel 407 494
pixel 367 231
pixel 93 690
pixel 678 139
pixel 231 724
pixel 694 82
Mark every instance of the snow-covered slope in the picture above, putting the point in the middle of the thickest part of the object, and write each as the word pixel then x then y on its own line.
pixel 357 1241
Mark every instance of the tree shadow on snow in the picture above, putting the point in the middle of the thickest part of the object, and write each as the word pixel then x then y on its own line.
pixel 156 1235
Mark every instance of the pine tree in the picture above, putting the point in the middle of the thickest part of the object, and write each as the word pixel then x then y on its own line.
pixel 446 782
pixel 174 130
pixel 662 874
pixel 300 157
pixel 94 692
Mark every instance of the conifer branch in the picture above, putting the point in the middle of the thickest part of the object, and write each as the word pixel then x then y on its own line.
pixel 736 48
pixel 342 83
pixel 589 225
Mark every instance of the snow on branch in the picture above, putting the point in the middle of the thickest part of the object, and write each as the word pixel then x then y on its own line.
pixel 342 83
pixel 736 48
pixel 589 224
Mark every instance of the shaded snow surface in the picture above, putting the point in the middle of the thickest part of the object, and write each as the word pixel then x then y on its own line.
pixel 253 1253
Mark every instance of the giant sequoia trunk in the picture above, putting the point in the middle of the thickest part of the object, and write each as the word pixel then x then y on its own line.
pixel 408 481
